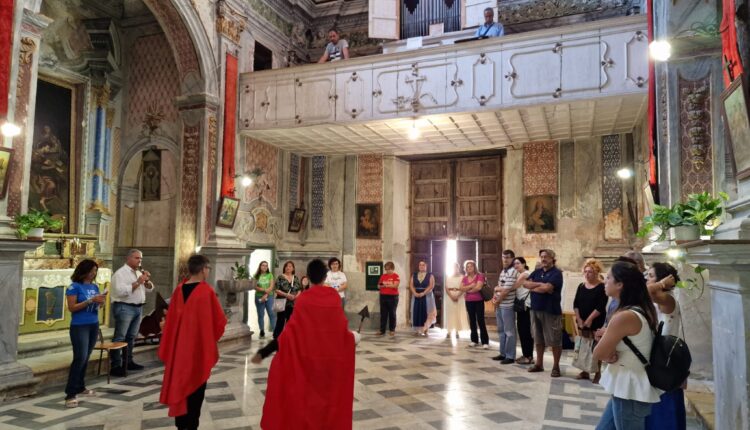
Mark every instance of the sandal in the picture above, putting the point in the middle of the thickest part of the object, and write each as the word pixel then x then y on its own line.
pixel 597 376
pixel 71 403
pixel 535 369
pixel 555 373
pixel 583 375
pixel 524 360
pixel 87 393
pixel 379 333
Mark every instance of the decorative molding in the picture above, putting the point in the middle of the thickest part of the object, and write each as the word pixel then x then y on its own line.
pixel 483 79
pixel 191 137
pixel 27 49
pixel 318 192
pixel 210 198
pixel 269 14
pixel 521 12
pixel 100 95
pixel 230 22
pixel 696 148
pixel 294 172
pixel 540 168
pixel 612 187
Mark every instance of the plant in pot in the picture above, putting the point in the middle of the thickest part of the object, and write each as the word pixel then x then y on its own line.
pixel 705 211
pixel 34 223
pixel 661 221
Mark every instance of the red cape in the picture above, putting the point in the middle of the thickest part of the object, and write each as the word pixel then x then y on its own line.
pixel 311 379
pixel 188 344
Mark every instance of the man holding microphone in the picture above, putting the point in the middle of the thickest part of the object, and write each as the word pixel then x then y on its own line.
pixel 129 286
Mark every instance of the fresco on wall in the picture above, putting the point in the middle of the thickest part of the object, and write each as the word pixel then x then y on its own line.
pixel 52 160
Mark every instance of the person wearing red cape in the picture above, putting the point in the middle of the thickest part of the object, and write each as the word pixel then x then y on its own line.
pixel 311 378
pixel 195 323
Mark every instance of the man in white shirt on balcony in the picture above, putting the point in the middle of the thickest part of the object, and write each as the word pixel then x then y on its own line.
pixel 129 287
pixel 490 28
pixel 336 49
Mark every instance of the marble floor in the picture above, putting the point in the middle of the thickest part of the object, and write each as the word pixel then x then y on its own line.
pixel 400 383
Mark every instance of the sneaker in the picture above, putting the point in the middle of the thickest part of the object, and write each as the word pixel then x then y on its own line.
pixel 508 361
pixel 499 358
pixel 486 346
pixel 379 333
pixel 392 333
pixel 117 371
pixel 134 366
pixel 473 345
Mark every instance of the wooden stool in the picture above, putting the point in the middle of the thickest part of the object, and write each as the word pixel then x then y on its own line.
pixel 108 346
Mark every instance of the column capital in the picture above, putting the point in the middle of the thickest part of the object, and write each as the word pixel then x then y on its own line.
pixel 230 23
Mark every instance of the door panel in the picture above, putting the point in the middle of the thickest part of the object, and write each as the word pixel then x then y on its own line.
pixel 437 267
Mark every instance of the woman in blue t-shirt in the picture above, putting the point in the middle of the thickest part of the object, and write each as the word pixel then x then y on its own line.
pixel 83 299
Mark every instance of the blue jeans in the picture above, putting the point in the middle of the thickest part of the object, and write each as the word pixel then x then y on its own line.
pixel 83 338
pixel 266 307
pixel 127 322
pixel 506 328
pixel 621 414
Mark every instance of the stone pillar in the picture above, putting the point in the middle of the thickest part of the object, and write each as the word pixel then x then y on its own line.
pixel 16 379
pixel 222 260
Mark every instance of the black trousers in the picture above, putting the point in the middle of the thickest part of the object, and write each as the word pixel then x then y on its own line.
pixel 476 317
pixel 523 322
pixel 190 420
pixel 388 305
pixel 281 319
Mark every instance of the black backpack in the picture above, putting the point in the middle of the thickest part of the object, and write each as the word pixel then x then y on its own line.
pixel 669 364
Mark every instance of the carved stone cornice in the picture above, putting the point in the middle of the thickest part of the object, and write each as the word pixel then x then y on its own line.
pixel 230 23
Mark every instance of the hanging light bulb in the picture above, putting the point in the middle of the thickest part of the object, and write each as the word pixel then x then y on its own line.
pixel 8 129
pixel 414 132
pixel 660 50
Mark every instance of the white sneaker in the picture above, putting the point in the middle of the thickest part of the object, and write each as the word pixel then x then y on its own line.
pixel 473 345
pixel 485 346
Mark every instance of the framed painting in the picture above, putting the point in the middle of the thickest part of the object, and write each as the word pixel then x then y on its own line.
pixel 53 153
pixel 539 214
pixel 368 220
pixel 734 108
pixel 227 212
pixel 296 220
pixel 5 158
pixel 50 304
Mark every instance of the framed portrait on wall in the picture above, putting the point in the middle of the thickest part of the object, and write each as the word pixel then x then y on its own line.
pixel 5 159
pixel 296 220
pixel 52 177
pixel 734 108
pixel 368 220
pixel 227 212
pixel 540 214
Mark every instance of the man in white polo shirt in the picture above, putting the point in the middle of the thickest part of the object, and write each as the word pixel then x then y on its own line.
pixel 129 286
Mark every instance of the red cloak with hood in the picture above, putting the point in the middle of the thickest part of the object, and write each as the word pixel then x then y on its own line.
pixel 311 379
pixel 188 344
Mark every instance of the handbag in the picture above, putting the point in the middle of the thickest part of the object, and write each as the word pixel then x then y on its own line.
pixel 279 305
pixel 519 305
pixel 487 292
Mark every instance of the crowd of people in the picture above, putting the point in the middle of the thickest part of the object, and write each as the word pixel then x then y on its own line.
pixel 627 302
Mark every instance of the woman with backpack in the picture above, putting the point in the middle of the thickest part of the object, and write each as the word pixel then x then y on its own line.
pixel 669 413
pixel 625 377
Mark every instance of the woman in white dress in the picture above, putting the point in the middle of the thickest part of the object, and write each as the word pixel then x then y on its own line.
pixel 455 307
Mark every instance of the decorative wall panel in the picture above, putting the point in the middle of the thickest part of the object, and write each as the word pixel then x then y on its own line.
pixel 261 160
pixel 567 180
pixel 370 190
pixel 189 198
pixel 294 164
pixel 211 167
pixel 23 88
pixel 153 83
pixel 540 168
pixel 318 192
pixel 612 187
pixel 179 38
pixel 696 149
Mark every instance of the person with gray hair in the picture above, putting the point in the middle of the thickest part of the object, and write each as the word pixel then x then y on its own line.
pixel 490 28
pixel 129 285
pixel 639 261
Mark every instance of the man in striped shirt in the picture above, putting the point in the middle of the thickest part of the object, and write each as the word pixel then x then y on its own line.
pixel 503 299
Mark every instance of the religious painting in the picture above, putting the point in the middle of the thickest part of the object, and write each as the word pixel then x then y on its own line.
pixel 151 175
pixel 53 167
pixel 539 214
pixel 368 221
pixel 5 154
pixel 296 220
pixel 49 304
pixel 734 103
pixel 227 212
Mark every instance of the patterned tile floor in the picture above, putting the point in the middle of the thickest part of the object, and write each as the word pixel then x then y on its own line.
pixel 400 383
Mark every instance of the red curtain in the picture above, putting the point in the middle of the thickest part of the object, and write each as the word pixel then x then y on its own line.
pixel 652 136
pixel 729 50
pixel 6 38
pixel 230 125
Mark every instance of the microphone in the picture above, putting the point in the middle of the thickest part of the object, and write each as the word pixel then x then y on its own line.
pixel 148 282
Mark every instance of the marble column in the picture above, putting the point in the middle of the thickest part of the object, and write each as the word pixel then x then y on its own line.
pixel 16 379
pixel 222 260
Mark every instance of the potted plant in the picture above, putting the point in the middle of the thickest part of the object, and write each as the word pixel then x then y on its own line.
pixel 662 220
pixel 705 211
pixel 34 223
pixel 240 281
pixel 684 227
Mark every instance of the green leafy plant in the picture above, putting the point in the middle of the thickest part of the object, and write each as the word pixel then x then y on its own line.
pixel 35 219
pixel 703 210
pixel 239 271
pixel 663 218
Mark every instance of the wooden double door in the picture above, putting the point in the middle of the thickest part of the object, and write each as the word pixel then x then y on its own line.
pixel 456 199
